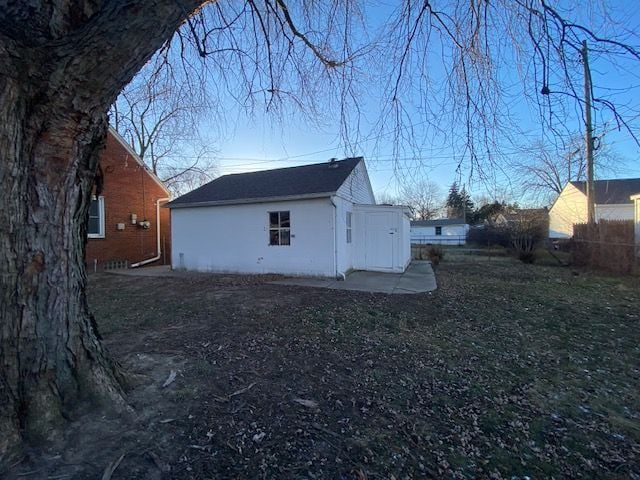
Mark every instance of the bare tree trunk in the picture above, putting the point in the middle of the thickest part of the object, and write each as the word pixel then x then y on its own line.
pixel 63 65
pixel 49 350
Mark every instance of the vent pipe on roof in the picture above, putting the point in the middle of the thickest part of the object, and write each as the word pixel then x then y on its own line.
pixel 333 163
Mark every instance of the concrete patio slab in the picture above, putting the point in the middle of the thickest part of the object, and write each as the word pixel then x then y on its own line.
pixel 418 278
pixel 155 271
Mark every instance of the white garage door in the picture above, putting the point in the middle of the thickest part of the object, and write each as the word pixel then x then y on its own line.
pixel 380 240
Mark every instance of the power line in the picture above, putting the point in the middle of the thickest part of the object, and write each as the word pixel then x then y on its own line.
pixel 454 159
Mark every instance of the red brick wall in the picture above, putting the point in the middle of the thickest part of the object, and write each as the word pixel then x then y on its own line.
pixel 128 188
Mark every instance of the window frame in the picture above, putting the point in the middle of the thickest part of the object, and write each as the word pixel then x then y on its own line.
pixel 439 231
pixel 349 223
pixel 100 234
pixel 279 229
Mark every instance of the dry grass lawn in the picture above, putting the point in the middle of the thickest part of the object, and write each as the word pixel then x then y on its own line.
pixel 506 371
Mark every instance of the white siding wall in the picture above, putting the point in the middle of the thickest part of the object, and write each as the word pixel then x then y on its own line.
pixel 358 254
pixel 357 187
pixel 345 250
pixel 570 208
pixel 406 240
pixel 235 238
pixel 636 215
pixel 399 255
pixel 454 230
pixel 614 212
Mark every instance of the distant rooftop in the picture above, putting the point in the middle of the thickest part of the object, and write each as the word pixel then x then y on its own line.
pixel 320 179
pixel 438 222
pixel 519 213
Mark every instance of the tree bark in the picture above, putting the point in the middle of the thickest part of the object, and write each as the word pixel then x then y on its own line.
pixel 63 65
pixel 49 351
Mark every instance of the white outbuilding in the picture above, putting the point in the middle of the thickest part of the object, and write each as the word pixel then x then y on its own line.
pixel 312 220
pixel 443 231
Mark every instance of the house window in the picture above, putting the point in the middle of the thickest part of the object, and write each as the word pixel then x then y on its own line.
pixel 349 227
pixel 438 230
pixel 96 218
pixel 279 228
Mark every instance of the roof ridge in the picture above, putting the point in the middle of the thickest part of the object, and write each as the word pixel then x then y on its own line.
pixel 293 166
pixel 607 180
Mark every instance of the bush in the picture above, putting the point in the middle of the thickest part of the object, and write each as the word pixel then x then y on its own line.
pixel 435 254
pixel 527 235
pixel 521 236
pixel 489 236
pixel 524 244
pixel 526 256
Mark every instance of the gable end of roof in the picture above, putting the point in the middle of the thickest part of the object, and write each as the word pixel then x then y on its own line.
pixel 306 181
pixel 114 133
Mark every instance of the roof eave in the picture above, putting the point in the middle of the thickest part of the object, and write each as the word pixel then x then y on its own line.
pixel 244 201
pixel 137 158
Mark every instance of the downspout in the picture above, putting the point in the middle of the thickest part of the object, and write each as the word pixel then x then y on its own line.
pixel 157 257
pixel 335 239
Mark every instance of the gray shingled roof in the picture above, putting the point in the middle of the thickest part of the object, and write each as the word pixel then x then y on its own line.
pixel 321 179
pixel 437 223
pixel 610 192
pixel 520 213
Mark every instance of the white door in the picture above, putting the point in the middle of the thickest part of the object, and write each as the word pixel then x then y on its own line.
pixel 380 240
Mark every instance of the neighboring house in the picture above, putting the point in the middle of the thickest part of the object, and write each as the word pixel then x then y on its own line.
pixel 127 227
pixel 612 202
pixel 318 220
pixel 443 231
pixel 520 215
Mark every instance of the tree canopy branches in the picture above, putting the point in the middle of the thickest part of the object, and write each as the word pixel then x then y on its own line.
pixel 449 74
pixel 418 73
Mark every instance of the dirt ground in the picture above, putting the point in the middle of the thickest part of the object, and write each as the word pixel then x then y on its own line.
pixel 506 371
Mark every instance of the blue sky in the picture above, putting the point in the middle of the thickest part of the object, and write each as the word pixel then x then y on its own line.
pixel 259 142
pixel 435 147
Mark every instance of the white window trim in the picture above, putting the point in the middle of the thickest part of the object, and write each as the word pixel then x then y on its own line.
pixel 100 234
pixel 279 229
pixel 349 222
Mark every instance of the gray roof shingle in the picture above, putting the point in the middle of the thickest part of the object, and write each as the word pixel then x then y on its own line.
pixel 438 222
pixel 525 213
pixel 610 192
pixel 306 180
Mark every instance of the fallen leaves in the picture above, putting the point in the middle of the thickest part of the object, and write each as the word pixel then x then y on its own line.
pixel 170 379
pixel 235 394
pixel 498 374
pixel 111 468
pixel 306 403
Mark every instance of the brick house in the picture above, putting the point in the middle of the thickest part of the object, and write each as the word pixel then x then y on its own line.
pixel 127 224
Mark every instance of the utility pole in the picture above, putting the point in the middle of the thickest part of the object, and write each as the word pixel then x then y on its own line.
pixel 591 214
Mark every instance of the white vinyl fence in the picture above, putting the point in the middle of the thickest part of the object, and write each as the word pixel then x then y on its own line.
pixel 418 239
